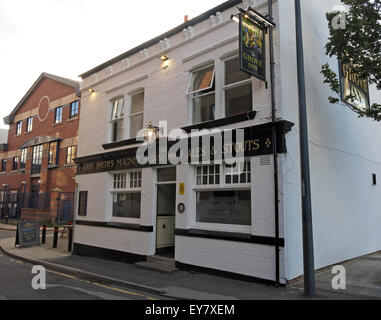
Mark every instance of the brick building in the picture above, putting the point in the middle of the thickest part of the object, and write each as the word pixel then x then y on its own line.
pixel 37 166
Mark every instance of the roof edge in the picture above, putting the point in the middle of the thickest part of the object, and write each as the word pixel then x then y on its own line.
pixel 204 16
pixel 72 83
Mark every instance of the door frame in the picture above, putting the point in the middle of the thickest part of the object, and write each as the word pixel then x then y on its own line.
pixel 156 184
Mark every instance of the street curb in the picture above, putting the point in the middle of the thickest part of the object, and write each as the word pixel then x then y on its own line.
pixel 87 275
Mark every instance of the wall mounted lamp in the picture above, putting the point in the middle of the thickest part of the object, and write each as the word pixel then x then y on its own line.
pixel 150 133
pixel 164 58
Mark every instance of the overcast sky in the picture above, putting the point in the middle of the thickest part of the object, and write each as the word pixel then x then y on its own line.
pixel 69 37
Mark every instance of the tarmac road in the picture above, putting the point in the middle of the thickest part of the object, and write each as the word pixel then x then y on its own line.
pixel 16 278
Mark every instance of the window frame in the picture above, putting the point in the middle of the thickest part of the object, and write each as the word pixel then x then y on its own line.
pixel 192 72
pixel 15 163
pixel 18 128
pixel 131 115
pixel 3 165
pixel 126 190
pixel 246 229
pixel 23 164
pixel 197 94
pixel 241 83
pixel 29 124
pixel 72 155
pixel 58 111
pixel 222 184
pixel 121 119
pixel 37 150
pixel 74 104
pixel 51 163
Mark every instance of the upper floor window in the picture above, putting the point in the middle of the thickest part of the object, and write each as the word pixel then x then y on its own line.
pixel 3 165
pixel 29 124
pixel 238 89
pixel 23 158
pixel 53 153
pixel 58 115
pixel 37 159
pixel 18 128
pixel 201 89
pixel 15 164
pixel 70 154
pixel 117 119
pixel 74 109
pixel 136 114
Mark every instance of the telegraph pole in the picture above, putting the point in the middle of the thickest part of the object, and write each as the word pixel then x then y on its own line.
pixel 308 247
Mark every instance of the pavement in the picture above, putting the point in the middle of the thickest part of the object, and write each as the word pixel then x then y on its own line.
pixel 363 276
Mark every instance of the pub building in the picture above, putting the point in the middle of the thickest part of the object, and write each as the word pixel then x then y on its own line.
pixel 200 214
pixel 37 160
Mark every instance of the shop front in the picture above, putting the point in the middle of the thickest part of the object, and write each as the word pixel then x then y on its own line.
pixel 199 214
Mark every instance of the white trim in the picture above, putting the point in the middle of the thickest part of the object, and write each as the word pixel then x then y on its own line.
pixel 238 84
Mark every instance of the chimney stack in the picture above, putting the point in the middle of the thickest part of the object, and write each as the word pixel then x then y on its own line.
pixel 186 18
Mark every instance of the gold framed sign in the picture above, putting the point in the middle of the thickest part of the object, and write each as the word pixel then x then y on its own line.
pixel 353 85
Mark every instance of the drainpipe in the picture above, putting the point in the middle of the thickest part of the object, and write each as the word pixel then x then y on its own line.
pixel 275 148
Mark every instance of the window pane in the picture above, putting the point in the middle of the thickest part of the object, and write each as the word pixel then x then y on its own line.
pixel 232 72
pixel 126 205
pixel 117 108
pixel 204 108
pixel 238 100
pixel 226 207
pixel 166 200
pixel 137 103
pixel 120 107
pixel 136 124
pixel 117 134
pixel 201 80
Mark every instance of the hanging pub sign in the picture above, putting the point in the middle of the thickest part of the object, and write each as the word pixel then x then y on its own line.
pixel 252 49
pixel 353 86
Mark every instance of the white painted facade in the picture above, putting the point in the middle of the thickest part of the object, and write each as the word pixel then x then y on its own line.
pixel 344 153
pixel 345 213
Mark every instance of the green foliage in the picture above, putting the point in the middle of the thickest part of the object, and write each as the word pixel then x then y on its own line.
pixel 357 42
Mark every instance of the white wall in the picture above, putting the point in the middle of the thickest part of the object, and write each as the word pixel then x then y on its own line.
pixel 344 152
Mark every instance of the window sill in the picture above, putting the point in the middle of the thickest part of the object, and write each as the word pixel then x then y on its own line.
pixel 18 135
pixel 223 187
pixel 53 166
pixel 35 175
pixel 221 122
pixel 69 165
pixel 57 124
pixel 3 173
pixel 121 143
pixel 14 171
pixel 72 119
pixel 28 132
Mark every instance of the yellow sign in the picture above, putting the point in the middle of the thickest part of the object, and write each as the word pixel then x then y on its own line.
pixel 182 189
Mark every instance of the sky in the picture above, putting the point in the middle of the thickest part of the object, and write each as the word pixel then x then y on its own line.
pixel 69 37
